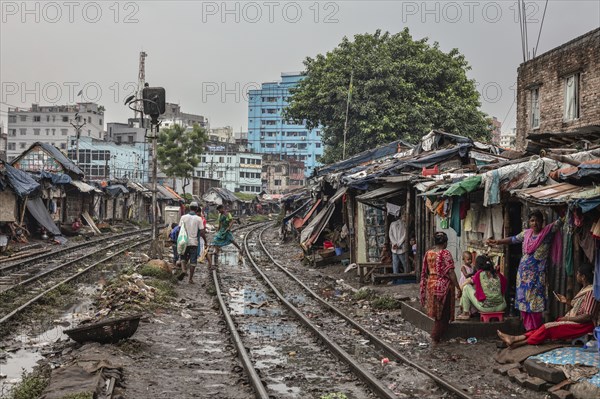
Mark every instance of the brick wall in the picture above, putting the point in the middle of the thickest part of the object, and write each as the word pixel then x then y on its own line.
pixel 548 72
pixel 74 206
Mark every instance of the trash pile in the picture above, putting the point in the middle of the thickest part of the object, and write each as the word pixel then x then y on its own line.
pixel 126 294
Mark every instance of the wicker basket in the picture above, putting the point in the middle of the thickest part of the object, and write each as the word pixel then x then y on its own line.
pixel 106 332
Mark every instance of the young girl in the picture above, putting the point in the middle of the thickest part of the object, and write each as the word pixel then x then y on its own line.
pixel 466 270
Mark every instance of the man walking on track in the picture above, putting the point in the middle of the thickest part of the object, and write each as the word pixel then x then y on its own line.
pixel 194 226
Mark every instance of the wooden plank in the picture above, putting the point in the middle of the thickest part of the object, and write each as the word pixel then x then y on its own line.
pixel 86 216
pixel 378 278
pixel 333 259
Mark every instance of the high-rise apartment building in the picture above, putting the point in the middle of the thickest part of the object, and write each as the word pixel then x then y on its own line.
pixel 270 133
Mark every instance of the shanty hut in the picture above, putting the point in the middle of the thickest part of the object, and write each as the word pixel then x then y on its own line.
pixel 222 196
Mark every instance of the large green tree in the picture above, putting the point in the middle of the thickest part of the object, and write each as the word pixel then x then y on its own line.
pixel 401 89
pixel 179 150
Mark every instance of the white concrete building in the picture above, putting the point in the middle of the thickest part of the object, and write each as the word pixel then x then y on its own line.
pixel 237 171
pixel 223 134
pixel 173 115
pixel 127 133
pixel 508 140
pixel 51 124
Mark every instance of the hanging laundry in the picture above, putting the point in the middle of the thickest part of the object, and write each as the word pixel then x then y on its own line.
pixel 568 249
pixel 597 276
pixel 440 209
pixel 465 205
pixel 596 230
pixel 393 209
pixel 497 221
pixel 491 193
pixel 483 222
pixel 455 216
pixel 429 205
pixel 469 220
pixel 587 243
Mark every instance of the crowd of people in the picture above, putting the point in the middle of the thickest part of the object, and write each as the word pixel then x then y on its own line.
pixel 190 244
pixel 482 288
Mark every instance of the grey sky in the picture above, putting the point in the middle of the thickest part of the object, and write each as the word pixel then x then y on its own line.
pixel 207 58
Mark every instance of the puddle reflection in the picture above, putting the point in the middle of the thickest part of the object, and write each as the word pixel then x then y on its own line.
pixel 284 391
pixel 274 331
pixel 41 333
pixel 250 302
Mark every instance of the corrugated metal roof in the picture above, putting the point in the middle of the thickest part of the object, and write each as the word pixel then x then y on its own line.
pixel 557 194
pixel 380 193
pixel 338 194
pixel 173 192
pixel 397 179
pixel 60 157
pixel 84 187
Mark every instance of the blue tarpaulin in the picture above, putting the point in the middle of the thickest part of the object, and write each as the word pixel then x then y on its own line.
pixel 57 178
pixel 23 184
pixel 39 212
pixel 116 189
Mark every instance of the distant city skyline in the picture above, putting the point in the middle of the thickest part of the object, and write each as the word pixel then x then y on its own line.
pixel 214 52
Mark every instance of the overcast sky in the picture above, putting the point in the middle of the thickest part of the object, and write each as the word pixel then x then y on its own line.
pixel 207 54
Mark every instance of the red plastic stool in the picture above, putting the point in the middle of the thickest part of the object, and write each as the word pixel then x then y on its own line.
pixel 487 317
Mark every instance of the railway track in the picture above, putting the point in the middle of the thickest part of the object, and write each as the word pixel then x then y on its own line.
pixel 8 265
pixel 335 353
pixel 27 283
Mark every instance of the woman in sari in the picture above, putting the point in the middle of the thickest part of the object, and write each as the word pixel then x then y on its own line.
pixel 438 281
pixel 224 237
pixel 577 322
pixel 531 275
pixel 484 291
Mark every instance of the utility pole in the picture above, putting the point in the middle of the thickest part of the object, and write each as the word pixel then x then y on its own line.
pixel 154 131
pixel 346 121
pixel 77 127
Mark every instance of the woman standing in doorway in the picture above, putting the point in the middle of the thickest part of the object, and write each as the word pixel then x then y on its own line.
pixel 531 276
pixel 438 281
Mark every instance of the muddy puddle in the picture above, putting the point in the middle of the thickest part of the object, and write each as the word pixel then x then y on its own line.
pixel 21 353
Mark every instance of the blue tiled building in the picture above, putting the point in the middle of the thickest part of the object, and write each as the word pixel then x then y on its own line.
pixel 268 133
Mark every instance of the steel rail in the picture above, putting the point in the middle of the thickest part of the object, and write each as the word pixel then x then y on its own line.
pixel 65 281
pixel 378 342
pixel 255 379
pixel 63 265
pixel 67 249
pixel 365 375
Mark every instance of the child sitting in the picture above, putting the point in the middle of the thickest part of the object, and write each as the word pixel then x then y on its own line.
pixel 466 270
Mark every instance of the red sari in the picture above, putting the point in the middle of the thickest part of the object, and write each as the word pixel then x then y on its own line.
pixel 584 303
pixel 436 289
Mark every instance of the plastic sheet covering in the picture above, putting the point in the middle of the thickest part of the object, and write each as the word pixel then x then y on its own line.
pixel 38 210
pixel 84 187
pixel 20 181
pixel 315 227
pixel 56 178
pixel 465 186
pixel 116 190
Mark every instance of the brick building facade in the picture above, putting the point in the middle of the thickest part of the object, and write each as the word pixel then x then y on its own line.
pixel 559 91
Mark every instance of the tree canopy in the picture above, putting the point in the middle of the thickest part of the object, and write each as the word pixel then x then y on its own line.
pixel 401 89
pixel 179 150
